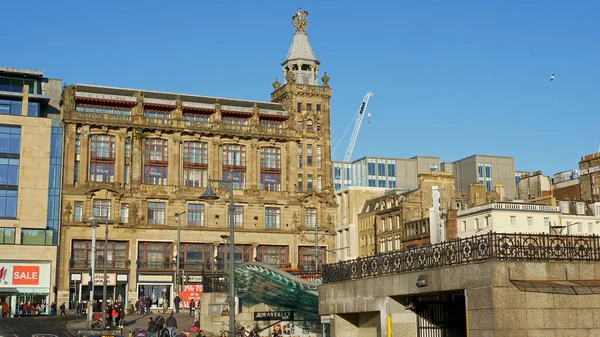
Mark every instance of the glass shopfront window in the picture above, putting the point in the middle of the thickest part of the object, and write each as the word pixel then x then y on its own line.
pixel 158 293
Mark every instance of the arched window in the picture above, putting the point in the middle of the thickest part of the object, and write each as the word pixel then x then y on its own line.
pixel 309 126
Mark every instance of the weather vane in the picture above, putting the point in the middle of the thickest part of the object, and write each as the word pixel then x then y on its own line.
pixel 299 20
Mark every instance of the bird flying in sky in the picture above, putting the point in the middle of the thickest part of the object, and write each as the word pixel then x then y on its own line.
pixel 552 78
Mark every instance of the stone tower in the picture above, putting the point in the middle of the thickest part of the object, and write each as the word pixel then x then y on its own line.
pixel 308 104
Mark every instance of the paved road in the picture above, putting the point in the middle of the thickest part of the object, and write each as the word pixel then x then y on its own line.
pixel 35 326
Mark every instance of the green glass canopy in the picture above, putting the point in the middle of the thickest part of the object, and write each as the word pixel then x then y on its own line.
pixel 262 283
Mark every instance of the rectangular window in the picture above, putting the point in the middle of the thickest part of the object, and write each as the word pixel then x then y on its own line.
pixel 195 215
pixel 372 183
pixel 37 237
pixel 127 174
pixel 464 226
pixel 392 184
pixel 124 213
pixel 77 157
pixel 488 171
pixel 513 221
pixel 109 110
pixel 127 147
pixel 234 165
pixel 156 161
pixel 391 170
pixel 242 254
pixel 234 121
pixel 156 213
pixel 477 224
pixel 102 158
pixel 101 209
pixel 318 109
pixel 300 187
pixel 157 115
pixel 16 84
pixel 9 107
pixel 299 126
pixel 117 254
pixel 306 258
pixel 381 183
pixel 271 123
pixel 309 183
pixel 10 139
pixel 9 172
pixel 371 169
pixel 319 154
pixel 195 118
pixel 195 256
pixel 337 173
pixel 308 106
pixel 7 236
pixel 310 217
pixel 434 167
pixel 381 169
pixel 530 221
pixel 299 155
pixel 238 217
pixel 272 217
pixel 480 170
pixel 319 183
pixel 273 255
pixel 195 164
pixel 155 255
pixel 78 211
pixel 270 168
pixel 299 110
pixel 309 155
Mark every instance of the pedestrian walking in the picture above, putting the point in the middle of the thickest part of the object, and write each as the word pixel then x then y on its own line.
pixel 62 309
pixel 177 300
pixel 172 325
pixel 192 304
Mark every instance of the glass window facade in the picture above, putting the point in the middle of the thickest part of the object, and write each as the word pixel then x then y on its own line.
pixel 16 84
pixel 7 236
pixel 10 149
pixel 195 215
pixel 54 180
pixel 38 237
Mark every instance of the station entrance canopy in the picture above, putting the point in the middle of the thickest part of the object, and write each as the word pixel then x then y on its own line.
pixel 262 283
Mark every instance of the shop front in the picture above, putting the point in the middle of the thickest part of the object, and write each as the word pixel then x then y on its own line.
pixel 159 288
pixel 116 288
pixel 25 287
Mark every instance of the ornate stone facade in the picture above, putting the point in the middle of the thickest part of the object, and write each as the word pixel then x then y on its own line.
pixel 145 157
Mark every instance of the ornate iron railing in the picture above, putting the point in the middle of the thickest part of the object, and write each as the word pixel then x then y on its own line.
pixel 491 246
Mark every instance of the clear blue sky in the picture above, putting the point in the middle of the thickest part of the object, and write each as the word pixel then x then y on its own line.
pixel 450 78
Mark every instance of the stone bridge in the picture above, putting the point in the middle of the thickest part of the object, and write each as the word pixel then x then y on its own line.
pixel 493 285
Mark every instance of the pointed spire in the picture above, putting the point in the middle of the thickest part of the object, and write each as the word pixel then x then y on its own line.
pixel 300 58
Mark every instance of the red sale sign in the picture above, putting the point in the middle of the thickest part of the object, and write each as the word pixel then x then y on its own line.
pixel 190 291
pixel 26 275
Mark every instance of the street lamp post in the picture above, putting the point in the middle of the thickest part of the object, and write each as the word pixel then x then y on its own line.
pixel 209 194
pixel 90 307
pixel 178 251
pixel 105 258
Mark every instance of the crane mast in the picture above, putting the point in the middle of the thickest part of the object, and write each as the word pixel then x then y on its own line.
pixel 359 119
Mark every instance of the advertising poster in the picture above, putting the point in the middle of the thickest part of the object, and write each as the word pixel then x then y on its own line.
pixel 190 291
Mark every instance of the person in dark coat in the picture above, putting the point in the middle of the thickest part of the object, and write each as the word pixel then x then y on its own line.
pixel 177 300
pixel 148 302
pixel 192 304
pixel 171 325
pixel 151 326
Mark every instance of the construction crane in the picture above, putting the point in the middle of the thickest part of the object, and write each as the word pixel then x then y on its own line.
pixel 359 118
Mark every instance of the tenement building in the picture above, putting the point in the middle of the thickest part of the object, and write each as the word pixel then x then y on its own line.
pixel 30 167
pixel 136 162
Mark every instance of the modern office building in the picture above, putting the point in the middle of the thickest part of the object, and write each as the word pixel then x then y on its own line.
pixel 484 169
pixel 138 159
pixel 382 172
pixel 30 170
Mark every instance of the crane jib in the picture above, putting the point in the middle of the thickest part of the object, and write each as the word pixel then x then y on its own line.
pixel 362 107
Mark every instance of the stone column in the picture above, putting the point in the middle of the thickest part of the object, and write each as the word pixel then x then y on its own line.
pixel 174 153
pixel 25 101
pixel 120 156
pixel 84 150
pixel 69 154
pixel 136 160
pixel 253 157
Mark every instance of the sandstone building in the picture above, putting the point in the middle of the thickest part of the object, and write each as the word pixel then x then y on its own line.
pixel 30 165
pixel 137 158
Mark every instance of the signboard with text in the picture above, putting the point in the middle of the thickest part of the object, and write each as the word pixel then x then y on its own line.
pixel 24 274
pixel 273 315
pixel 99 279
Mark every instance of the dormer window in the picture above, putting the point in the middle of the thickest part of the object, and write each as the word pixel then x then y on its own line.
pixel 309 126
pixel 234 121
pixel 564 207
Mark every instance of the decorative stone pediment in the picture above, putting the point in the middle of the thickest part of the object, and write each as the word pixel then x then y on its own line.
pixel 101 190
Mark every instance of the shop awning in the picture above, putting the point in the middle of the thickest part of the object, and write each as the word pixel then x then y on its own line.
pixel 8 290
pixel 566 287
